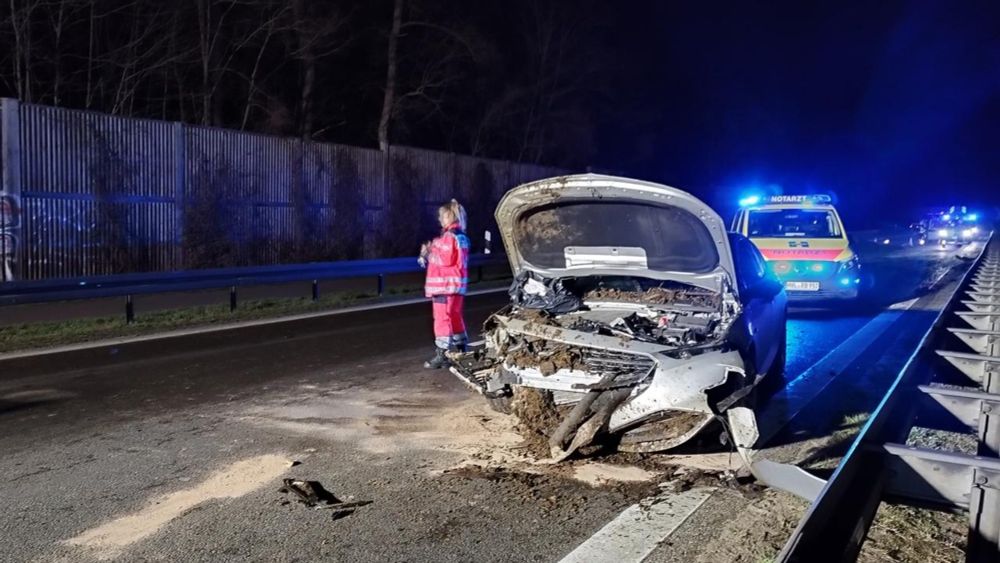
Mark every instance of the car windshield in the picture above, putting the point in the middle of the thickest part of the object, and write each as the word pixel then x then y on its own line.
pixel 670 238
pixel 807 223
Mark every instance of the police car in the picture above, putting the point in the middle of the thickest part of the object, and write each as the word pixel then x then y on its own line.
pixel 804 242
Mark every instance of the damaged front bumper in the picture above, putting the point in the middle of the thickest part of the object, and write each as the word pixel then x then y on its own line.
pixel 652 397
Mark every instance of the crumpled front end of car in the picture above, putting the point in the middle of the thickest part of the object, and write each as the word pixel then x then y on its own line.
pixel 650 376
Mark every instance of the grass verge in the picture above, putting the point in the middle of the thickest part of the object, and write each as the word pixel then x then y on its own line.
pixel 43 335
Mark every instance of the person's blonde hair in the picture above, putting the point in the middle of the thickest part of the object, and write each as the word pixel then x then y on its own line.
pixel 457 212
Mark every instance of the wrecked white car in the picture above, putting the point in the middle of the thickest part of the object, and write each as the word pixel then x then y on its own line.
pixel 633 310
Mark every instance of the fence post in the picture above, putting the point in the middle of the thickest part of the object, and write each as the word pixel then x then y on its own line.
pixel 180 175
pixel 10 137
pixel 232 298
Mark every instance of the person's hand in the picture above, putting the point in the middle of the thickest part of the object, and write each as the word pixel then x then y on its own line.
pixel 424 251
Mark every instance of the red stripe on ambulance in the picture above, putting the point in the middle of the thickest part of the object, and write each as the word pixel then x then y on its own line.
pixel 801 253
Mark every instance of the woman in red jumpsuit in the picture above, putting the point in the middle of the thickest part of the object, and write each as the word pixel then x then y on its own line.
pixel 447 262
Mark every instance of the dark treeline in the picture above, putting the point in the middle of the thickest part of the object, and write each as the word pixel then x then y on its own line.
pixel 515 79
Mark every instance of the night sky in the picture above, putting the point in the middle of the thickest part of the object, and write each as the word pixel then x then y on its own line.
pixel 889 105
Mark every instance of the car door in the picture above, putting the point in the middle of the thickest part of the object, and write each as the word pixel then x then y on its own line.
pixel 763 299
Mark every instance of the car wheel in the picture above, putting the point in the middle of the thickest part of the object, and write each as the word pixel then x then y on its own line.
pixel 501 405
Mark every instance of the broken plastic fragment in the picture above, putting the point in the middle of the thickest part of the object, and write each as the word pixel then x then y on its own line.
pixel 313 495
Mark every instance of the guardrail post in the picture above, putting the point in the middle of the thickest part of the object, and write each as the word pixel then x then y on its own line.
pixel 381 284
pixel 232 298
pixel 129 310
pixel 315 290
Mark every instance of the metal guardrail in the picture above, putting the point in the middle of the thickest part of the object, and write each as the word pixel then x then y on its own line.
pixel 128 285
pixel 951 383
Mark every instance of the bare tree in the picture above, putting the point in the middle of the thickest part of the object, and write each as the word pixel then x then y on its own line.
pixel 21 14
pixel 269 19
pixel 427 54
pixel 389 96
pixel 318 29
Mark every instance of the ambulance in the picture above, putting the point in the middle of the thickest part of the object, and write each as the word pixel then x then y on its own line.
pixel 804 242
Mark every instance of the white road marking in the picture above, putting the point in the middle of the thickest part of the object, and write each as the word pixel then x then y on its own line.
pixel 904 305
pixel 944 272
pixel 640 528
pixel 224 327
pixel 811 382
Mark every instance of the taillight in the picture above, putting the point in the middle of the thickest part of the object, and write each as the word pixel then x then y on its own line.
pixel 781 267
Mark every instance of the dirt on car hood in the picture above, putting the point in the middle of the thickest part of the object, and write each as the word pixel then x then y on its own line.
pixel 590 224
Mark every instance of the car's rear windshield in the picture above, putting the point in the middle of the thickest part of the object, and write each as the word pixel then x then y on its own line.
pixel 806 223
pixel 673 239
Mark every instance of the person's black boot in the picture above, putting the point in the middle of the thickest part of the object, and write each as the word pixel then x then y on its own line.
pixel 438 361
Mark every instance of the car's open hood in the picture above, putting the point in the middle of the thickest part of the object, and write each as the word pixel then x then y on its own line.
pixel 590 224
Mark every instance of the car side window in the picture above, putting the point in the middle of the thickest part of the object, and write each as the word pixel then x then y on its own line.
pixel 760 265
pixel 750 265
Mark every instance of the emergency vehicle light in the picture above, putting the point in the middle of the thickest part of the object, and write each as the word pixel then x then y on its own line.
pixel 810 198
pixel 749 200
pixel 972 217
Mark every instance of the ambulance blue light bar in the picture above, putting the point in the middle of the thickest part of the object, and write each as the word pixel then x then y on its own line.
pixel 811 198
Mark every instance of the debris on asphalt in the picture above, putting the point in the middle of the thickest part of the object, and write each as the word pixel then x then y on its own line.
pixel 314 495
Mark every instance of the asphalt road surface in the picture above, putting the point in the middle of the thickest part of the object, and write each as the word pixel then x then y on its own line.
pixel 176 450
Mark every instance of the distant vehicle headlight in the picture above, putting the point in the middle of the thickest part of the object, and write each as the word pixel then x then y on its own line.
pixel 974 230
pixel 943 233
pixel 886 241
pixel 967 233
pixel 922 242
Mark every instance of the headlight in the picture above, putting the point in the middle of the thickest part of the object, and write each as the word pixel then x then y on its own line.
pixel 781 267
pixel 967 233
pixel 943 233
pixel 851 265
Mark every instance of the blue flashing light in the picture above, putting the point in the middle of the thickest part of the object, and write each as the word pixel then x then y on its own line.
pixel 946 217
pixel 749 200
pixel 845 281
pixel 972 217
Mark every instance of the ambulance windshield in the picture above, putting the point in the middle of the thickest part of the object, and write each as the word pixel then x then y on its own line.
pixel 803 223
